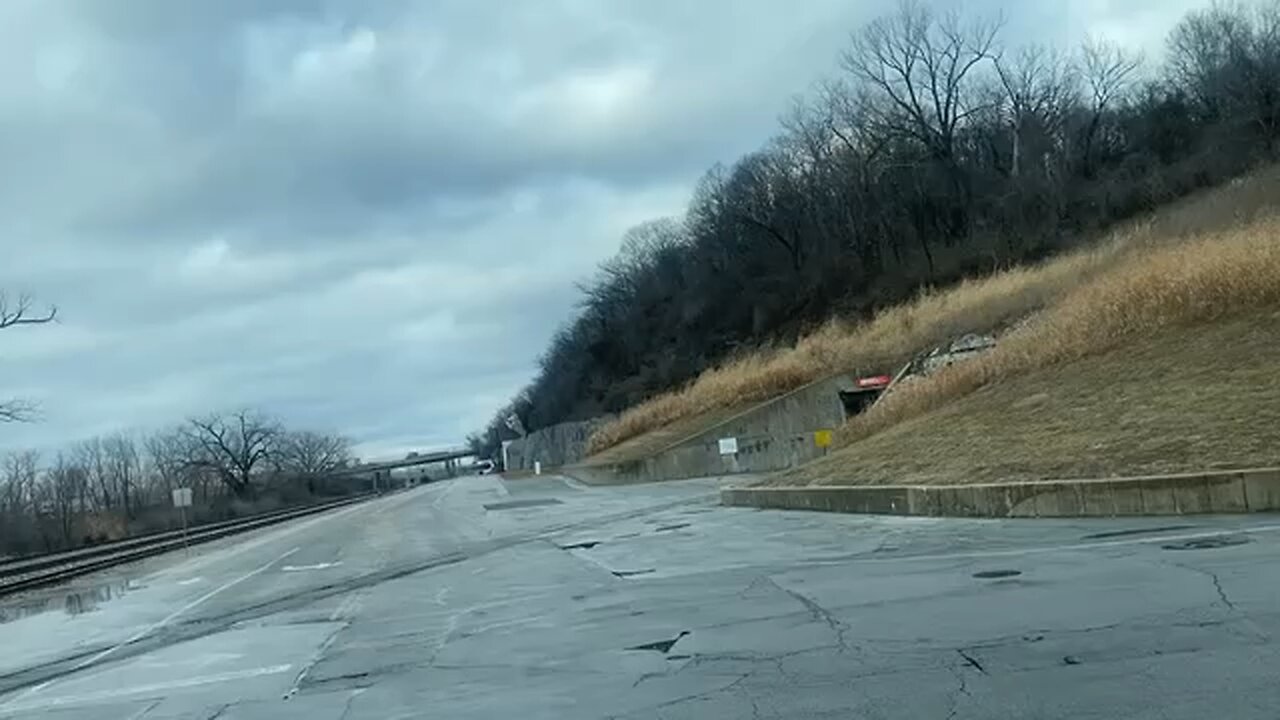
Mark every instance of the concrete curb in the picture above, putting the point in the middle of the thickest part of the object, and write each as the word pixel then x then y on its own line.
pixel 1238 491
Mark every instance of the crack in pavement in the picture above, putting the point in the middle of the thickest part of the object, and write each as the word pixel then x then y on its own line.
pixel 204 627
pixel 346 707
pixel 819 613
pixel 971 661
pixel 1222 594
pixel 315 659
pixel 706 693
pixel 1213 577
pixel 961 690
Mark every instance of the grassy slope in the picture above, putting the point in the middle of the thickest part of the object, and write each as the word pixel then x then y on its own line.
pixel 1185 399
pixel 980 305
pixel 652 442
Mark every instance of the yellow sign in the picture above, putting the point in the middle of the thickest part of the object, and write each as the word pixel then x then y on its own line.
pixel 822 438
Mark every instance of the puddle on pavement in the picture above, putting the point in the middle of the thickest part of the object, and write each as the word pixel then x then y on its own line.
pixel 76 602
pixel 995 574
pixel 515 504
pixel 1207 543
pixel 631 573
pixel 1137 531
pixel 661 646
pixel 673 526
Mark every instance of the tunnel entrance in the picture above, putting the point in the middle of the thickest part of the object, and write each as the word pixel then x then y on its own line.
pixel 865 392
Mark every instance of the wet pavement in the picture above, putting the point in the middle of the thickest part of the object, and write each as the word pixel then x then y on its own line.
pixel 540 598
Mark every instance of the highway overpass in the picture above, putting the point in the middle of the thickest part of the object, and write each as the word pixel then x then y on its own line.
pixel 380 471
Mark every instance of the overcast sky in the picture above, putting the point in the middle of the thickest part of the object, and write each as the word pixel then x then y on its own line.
pixel 367 216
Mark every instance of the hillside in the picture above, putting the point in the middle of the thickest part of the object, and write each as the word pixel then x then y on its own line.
pixel 864 197
pixel 1187 399
pixel 1165 362
pixel 984 304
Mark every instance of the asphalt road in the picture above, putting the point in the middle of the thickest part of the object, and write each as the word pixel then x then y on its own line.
pixel 541 599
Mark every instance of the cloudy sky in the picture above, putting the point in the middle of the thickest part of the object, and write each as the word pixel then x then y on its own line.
pixel 367 216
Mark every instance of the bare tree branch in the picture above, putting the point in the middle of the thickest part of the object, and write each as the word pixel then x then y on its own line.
pixel 233 445
pixel 19 312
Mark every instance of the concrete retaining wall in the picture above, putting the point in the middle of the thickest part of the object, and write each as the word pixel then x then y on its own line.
pixel 774 435
pixel 553 446
pixel 1216 492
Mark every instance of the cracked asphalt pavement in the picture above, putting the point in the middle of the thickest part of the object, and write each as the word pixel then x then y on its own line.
pixel 540 598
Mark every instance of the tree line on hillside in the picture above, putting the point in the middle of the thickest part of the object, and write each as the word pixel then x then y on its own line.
pixel 938 151
pixel 120 484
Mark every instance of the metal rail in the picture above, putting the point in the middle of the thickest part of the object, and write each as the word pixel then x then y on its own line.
pixel 45 570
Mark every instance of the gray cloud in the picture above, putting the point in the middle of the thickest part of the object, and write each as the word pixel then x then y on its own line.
pixel 365 217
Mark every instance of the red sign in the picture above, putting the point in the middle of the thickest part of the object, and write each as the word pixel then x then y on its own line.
pixel 873 381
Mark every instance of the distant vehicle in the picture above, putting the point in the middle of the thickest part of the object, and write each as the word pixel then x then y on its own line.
pixel 484 467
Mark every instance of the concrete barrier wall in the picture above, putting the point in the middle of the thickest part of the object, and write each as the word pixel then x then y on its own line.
pixel 1215 492
pixel 772 436
pixel 554 446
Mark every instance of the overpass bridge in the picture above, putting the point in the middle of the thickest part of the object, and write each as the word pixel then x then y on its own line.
pixel 380 472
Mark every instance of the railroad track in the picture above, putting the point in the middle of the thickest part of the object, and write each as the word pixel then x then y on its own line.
pixel 45 570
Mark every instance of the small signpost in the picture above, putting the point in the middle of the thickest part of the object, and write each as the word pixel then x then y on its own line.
pixel 182 501
pixel 729 446
pixel 822 438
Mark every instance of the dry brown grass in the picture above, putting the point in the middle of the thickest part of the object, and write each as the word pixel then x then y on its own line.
pixel 1206 279
pixel 979 305
pixel 1168 403
pixel 880 345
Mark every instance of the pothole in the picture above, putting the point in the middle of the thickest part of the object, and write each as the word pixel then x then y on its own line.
pixel 1207 543
pixel 1136 531
pixel 584 545
pixel 662 646
pixel 514 504
pixel 994 574
pixel 674 526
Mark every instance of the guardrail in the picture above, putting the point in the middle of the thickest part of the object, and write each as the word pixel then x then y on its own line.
pixel 30 573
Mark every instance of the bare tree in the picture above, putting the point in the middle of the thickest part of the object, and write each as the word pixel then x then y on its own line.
pixel 1109 72
pixel 921 68
pixel 123 468
pixel 60 495
pixel 18 477
pixel 1227 57
pixel 90 455
pixel 12 314
pixel 309 454
pixel 167 457
pixel 235 446
pixel 1040 88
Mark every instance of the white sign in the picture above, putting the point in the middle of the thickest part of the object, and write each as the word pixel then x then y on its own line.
pixel 517 427
pixel 182 497
pixel 729 446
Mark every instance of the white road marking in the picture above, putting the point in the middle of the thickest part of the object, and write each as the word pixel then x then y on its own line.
pixel 153 688
pixel 274 534
pixel 149 629
pixel 190 581
pixel 305 568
